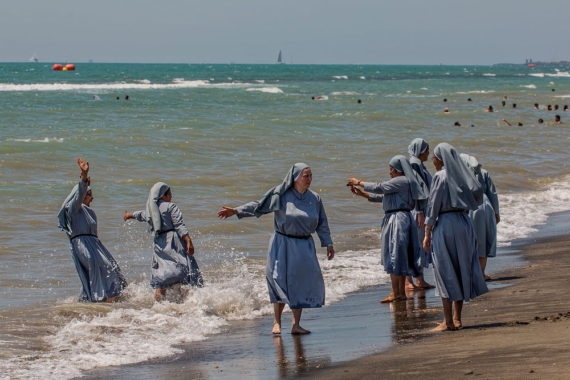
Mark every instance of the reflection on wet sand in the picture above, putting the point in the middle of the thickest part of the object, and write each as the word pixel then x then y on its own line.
pixel 301 364
pixel 412 317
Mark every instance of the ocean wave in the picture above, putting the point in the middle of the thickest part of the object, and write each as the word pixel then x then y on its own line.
pixel 523 213
pixel 143 84
pixel 139 329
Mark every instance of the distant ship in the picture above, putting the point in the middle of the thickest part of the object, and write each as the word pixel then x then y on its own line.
pixel 280 57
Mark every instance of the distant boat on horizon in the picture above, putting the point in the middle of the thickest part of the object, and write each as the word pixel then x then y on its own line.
pixel 280 57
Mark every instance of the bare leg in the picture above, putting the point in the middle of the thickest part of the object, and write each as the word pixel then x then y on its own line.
pixel 277 312
pixel 421 283
pixel 111 299
pixel 400 290
pixel 447 324
pixel 483 263
pixel 457 307
pixel 410 283
pixel 296 329
pixel 159 294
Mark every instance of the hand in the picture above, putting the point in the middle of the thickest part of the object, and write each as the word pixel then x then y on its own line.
pixel 421 219
pixel 226 212
pixel 83 165
pixel 330 252
pixel 427 242
pixel 127 215
pixel 189 245
pixel 353 182
pixel 358 191
pixel 497 218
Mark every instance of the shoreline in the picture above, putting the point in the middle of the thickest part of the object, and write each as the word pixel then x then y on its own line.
pixel 359 338
pixel 520 330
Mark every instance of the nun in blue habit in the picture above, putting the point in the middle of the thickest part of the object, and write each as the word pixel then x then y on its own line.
pixel 293 272
pixel 173 261
pixel 419 152
pixel 487 215
pixel 450 236
pixel 100 275
pixel 399 236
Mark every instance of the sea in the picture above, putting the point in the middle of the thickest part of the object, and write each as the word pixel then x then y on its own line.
pixel 223 134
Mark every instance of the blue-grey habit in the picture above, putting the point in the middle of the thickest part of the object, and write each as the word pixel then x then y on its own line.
pixel 454 192
pixel 399 236
pixel 99 273
pixel 484 220
pixel 415 149
pixel 171 264
pixel 293 272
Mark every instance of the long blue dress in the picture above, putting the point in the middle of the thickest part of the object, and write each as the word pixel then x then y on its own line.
pixel 419 167
pixel 484 220
pixel 293 272
pixel 458 275
pixel 170 263
pixel 99 273
pixel 399 236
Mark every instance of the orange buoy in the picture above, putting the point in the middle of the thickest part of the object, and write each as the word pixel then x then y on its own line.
pixel 57 67
pixel 70 67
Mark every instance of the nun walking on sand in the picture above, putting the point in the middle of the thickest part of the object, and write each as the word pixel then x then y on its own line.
pixel 293 272
pixel 173 262
pixel 450 236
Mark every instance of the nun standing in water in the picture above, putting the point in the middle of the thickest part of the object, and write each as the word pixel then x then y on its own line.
pixel 100 275
pixel 486 217
pixel 419 152
pixel 293 273
pixel 173 262
pixel 399 236
pixel 450 236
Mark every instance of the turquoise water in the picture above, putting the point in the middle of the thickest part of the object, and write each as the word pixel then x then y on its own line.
pixel 222 135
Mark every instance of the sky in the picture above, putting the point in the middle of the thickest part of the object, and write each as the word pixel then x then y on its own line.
pixel 453 32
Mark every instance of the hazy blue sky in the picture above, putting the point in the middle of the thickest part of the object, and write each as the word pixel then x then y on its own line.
pixel 308 31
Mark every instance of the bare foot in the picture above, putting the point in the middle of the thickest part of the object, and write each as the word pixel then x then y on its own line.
pixel 424 285
pixel 298 330
pixel 276 329
pixel 410 286
pixel 457 324
pixel 388 299
pixel 488 278
pixel 443 327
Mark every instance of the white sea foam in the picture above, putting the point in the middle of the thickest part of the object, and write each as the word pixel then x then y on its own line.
pixel 139 329
pixel 523 213
pixel 270 90
pixel 44 140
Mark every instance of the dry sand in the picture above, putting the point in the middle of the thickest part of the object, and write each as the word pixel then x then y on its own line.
pixel 520 331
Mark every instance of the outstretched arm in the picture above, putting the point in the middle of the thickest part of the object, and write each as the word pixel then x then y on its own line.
pixel 226 211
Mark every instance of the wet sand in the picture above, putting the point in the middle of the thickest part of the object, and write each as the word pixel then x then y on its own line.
pixel 520 329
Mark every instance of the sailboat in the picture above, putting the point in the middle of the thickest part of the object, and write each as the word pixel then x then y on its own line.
pixel 280 57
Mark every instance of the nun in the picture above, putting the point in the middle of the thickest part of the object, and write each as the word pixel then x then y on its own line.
pixel 399 236
pixel 173 262
pixel 293 272
pixel 100 275
pixel 487 216
pixel 450 236
pixel 419 153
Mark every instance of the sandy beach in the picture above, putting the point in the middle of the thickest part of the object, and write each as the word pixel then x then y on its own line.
pixel 520 331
